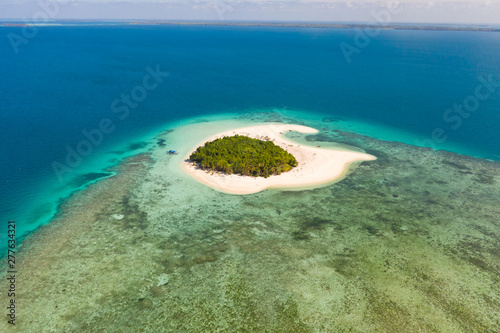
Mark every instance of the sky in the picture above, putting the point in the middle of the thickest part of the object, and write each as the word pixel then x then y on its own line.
pixel 367 11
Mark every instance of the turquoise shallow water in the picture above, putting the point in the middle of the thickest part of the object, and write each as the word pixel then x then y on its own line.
pixel 405 243
pixel 66 79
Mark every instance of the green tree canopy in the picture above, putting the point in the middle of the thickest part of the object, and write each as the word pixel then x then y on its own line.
pixel 243 155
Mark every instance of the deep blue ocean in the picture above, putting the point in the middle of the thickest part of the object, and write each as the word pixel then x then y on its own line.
pixel 64 80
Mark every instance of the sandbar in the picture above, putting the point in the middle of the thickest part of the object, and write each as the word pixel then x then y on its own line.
pixel 316 166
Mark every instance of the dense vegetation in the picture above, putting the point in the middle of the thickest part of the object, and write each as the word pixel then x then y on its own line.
pixel 243 155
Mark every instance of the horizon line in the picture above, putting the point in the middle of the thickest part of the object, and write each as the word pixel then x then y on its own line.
pixel 216 21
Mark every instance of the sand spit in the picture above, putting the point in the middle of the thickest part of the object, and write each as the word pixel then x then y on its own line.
pixel 317 166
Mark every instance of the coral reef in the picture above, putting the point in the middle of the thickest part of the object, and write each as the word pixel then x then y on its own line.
pixel 410 244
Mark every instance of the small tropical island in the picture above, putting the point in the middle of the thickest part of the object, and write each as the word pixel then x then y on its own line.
pixel 251 159
pixel 245 156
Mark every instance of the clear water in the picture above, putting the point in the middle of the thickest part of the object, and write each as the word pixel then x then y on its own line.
pixel 65 79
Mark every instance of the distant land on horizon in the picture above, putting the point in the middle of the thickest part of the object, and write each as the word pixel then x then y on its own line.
pixel 394 26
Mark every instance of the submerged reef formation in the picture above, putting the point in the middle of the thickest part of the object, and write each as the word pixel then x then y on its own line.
pixel 410 244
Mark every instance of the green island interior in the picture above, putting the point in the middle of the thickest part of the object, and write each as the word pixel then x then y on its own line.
pixel 242 155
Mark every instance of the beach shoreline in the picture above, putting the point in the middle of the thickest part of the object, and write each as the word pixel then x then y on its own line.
pixel 317 166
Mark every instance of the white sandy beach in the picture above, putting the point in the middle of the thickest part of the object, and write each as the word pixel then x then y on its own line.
pixel 317 166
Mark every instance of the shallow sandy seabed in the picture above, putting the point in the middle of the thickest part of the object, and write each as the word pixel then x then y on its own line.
pixel 407 243
pixel 316 166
